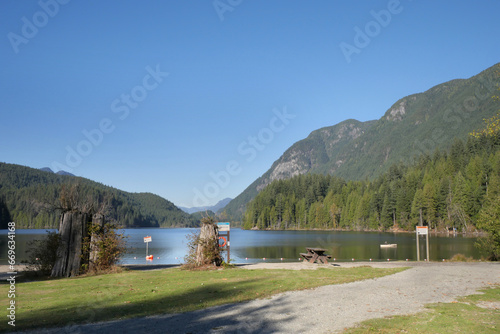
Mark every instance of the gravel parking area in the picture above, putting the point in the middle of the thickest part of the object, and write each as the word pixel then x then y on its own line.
pixel 322 310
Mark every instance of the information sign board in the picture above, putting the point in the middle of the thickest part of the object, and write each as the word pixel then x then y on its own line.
pixel 422 230
pixel 223 227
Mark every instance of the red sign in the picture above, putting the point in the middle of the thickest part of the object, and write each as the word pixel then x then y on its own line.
pixel 147 239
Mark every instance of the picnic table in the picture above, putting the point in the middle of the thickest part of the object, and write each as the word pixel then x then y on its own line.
pixel 316 254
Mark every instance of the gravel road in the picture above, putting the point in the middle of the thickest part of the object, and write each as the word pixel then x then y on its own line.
pixel 322 310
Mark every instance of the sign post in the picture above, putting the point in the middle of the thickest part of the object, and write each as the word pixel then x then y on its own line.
pixel 226 227
pixel 423 230
pixel 147 240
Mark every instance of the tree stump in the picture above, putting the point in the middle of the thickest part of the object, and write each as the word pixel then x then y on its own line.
pixel 72 229
pixel 207 251
pixel 99 221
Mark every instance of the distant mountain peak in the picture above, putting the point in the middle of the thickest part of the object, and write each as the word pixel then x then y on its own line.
pixel 215 208
pixel 47 169
pixel 61 172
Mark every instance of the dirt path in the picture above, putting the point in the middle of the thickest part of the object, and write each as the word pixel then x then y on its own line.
pixel 322 310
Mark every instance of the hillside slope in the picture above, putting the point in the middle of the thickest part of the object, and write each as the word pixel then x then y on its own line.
pixel 28 197
pixel 414 125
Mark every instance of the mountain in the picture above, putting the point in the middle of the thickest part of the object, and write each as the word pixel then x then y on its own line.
pixel 455 189
pixel 414 125
pixel 28 197
pixel 215 208
pixel 47 169
pixel 61 172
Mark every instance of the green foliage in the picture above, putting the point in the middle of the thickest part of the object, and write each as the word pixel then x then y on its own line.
pixel 42 253
pixel 192 244
pixel 489 212
pixel 456 189
pixel 5 217
pixel 489 221
pixel 107 244
pixel 30 197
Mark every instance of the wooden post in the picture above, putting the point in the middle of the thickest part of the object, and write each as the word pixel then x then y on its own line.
pixel 228 246
pixel 226 227
pixel 422 230
pixel 427 245
pixel 418 248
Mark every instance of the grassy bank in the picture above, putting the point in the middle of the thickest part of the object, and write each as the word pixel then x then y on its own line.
pixel 129 294
pixel 471 314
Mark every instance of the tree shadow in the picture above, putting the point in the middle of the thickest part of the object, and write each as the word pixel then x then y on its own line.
pixel 244 317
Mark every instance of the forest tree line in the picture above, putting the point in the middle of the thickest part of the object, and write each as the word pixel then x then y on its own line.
pixel 458 188
pixel 30 198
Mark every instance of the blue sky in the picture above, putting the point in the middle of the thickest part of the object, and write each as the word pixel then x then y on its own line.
pixel 194 100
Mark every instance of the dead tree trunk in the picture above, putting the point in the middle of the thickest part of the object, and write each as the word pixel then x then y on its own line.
pixel 72 229
pixel 99 221
pixel 208 251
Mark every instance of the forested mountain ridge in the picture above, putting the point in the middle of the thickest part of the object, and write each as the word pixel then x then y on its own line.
pixel 458 188
pixel 415 124
pixel 29 196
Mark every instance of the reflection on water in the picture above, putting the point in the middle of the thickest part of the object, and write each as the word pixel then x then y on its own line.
pixel 169 246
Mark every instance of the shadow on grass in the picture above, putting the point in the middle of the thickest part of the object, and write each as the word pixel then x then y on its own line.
pixel 151 314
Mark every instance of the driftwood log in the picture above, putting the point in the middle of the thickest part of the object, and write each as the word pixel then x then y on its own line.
pixel 72 229
pixel 207 251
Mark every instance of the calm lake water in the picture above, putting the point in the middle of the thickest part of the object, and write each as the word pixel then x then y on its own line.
pixel 169 246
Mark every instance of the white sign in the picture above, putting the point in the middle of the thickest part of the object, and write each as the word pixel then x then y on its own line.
pixel 223 227
pixel 147 239
pixel 422 230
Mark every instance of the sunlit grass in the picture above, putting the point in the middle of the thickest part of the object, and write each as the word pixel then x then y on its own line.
pixel 142 293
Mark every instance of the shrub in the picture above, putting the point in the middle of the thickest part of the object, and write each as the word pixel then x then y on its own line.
pixel 102 247
pixel 461 258
pixel 42 253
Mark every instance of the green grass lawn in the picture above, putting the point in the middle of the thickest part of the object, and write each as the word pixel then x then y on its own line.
pixel 61 302
pixel 472 314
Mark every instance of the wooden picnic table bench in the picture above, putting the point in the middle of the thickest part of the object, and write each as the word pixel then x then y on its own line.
pixel 316 254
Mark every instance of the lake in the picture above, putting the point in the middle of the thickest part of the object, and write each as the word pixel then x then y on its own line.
pixel 169 246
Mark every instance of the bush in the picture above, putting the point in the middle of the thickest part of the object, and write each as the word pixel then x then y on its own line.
pixel 190 259
pixel 461 258
pixel 42 253
pixel 102 248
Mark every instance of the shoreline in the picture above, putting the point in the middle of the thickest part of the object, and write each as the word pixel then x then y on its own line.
pixel 20 268
pixel 476 234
